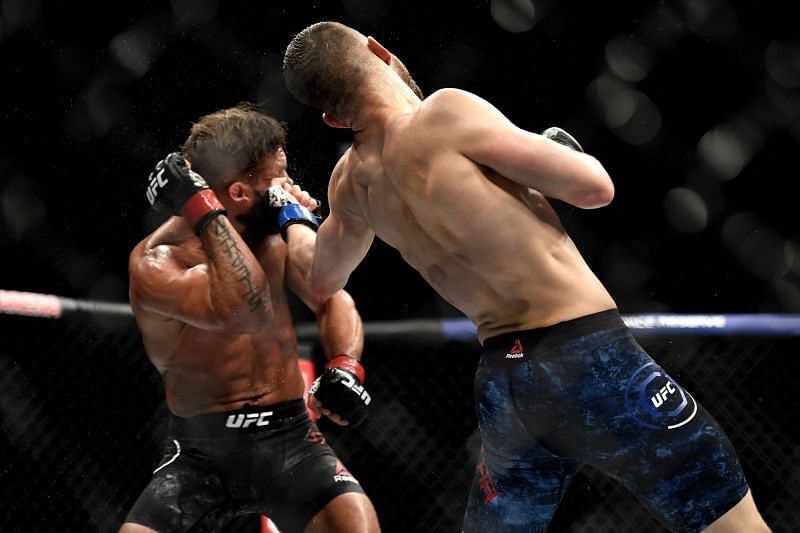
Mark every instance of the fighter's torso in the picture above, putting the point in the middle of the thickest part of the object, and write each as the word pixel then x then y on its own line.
pixel 494 249
pixel 205 371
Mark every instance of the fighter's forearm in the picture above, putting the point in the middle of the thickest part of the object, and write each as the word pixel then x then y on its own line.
pixel 340 328
pixel 238 288
pixel 301 242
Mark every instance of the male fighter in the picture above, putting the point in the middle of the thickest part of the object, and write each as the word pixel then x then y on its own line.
pixel 209 292
pixel 462 194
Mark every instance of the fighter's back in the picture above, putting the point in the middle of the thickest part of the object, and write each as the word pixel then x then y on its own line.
pixel 492 247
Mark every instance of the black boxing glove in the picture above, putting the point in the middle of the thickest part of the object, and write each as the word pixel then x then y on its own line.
pixel 340 389
pixel 284 210
pixel 562 137
pixel 175 189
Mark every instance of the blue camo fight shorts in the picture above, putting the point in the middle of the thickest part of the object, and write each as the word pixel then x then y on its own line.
pixel 580 392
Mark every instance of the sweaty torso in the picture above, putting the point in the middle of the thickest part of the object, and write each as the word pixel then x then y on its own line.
pixel 494 249
pixel 205 371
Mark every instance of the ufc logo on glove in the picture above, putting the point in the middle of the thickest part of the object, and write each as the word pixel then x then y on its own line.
pixel 156 182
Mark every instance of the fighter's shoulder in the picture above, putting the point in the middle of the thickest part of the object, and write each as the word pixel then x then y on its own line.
pixel 340 175
pixel 450 101
pixel 341 187
pixel 161 251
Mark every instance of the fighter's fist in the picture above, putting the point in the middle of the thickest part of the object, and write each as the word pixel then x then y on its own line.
pixel 175 189
pixel 284 209
pixel 172 183
pixel 339 392
pixel 562 137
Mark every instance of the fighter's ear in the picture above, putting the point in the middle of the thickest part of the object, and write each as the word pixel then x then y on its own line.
pixel 236 192
pixel 378 49
pixel 334 122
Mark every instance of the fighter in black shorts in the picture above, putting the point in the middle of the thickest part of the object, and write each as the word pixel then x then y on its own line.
pixel 209 292
pixel 269 460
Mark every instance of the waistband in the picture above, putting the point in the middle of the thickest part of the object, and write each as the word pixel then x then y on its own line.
pixel 248 419
pixel 517 346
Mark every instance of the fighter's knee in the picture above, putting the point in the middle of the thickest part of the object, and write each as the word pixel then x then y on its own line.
pixel 347 513
pixel 742 517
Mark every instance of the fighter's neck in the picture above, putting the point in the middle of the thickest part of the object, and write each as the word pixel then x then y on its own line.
pixel 380 109
pixel 372 122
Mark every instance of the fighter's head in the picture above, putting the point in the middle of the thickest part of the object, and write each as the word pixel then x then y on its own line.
pixel 238 151
pixel 333 67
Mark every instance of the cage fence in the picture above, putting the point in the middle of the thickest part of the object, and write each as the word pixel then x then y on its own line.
pixel 83 423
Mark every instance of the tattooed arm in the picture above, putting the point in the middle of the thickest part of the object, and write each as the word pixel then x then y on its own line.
pixel 226 292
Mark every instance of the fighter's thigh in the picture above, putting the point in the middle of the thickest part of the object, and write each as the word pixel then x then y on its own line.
pixel 346 513
pixel 742 518
pixel 180 494
pixel 519 494
pixel 668 450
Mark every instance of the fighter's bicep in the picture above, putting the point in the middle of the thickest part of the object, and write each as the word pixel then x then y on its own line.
pixel 490 139
pixel 345 235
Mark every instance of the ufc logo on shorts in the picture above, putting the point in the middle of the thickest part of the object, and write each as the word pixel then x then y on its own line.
pixel 661 396
pixel 350 383
pixel 242 421
pixel 155 182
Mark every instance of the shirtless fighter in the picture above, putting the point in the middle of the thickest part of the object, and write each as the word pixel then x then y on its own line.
pixel 208 290
pixel 462 194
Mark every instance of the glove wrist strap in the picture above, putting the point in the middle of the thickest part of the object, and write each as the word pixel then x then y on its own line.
pixel 201 208
pixel 348 363
pixel 296 214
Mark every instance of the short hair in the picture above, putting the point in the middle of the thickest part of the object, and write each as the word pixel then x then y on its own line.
pixel 230 142
pixel 323 67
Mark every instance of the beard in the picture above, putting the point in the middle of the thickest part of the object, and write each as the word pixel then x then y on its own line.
pixel 402 71
pixel 261 220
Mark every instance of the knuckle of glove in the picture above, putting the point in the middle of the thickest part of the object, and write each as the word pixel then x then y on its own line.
pixel 277 196
pixel 172 183
pixel 342 393
pixel 175 159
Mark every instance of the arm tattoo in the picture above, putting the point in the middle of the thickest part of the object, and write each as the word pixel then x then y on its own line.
pixel 238 264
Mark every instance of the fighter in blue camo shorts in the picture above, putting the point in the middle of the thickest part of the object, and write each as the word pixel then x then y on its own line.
pixel 464 195
pixel 584 392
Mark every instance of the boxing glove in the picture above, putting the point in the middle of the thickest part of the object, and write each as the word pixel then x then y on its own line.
pixel 340 389
pixel 283 210
pixel 175 189
pixel 562 137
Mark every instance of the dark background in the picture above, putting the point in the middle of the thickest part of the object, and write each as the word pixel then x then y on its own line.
pixel 93 98
pixel 692 106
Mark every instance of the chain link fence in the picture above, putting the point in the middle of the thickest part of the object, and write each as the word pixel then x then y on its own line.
pixel 83 421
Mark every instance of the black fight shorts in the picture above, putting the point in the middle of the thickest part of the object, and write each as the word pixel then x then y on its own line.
pixel 270 460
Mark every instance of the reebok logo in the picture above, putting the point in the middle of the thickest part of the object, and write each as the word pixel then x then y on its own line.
pixel 342 474
pixel 242 421
pixel 517 352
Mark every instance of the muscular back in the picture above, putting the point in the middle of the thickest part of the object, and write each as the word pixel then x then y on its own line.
pixel 221 368
pixel 489 245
